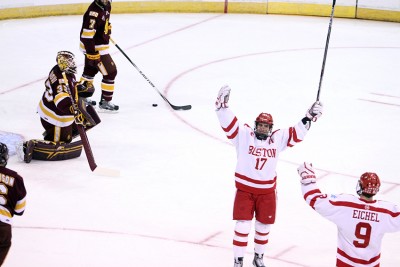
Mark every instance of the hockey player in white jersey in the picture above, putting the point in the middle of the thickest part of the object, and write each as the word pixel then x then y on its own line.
pixel 361 221
pixel 257 151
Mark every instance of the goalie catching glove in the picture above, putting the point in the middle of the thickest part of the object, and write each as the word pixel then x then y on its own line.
pixel 223 97
pixel 307 174
pixel 315 111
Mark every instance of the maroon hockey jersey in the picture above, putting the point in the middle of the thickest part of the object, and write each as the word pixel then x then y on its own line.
pixel 55 105
pixel 96 29
pixel 12 195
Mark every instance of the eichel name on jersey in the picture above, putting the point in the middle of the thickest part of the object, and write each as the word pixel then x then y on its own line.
pixel 92 40
pixel 365 222
pixel 13 193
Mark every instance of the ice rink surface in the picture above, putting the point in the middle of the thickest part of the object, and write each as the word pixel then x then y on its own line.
pixel 172 204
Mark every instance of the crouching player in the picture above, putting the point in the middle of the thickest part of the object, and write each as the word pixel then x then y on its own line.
pixel 61 110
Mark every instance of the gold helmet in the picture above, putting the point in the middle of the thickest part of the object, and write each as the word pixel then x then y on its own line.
pixel 66 62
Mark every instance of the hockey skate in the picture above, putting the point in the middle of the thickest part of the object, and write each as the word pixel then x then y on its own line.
pixel 238 262
pixel 258 260
pixel 107 106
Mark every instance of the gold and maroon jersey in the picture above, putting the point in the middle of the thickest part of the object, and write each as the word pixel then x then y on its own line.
pixel 96 29
pixel 55 105
pixel 12 195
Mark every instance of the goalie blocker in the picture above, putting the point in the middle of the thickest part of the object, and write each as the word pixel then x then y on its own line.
pixel 54 151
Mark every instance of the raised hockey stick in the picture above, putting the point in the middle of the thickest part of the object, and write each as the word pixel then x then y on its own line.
pixel 85 140
pixel 186 107
pixel 326 49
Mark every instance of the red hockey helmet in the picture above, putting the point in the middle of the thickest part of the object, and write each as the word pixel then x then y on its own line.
pixel 263 118
pixel 368 184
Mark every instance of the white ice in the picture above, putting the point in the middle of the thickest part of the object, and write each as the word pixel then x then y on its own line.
pixel 172 204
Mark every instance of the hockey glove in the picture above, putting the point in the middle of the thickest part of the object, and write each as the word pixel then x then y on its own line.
pixel 93 59
pixel 307 174
pixel 315 111
pixel 223 97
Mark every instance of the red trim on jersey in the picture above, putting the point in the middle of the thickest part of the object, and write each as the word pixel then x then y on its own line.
pixel 241 176
pixel 230 126
pixel 312 192
pixel 292 137
pixel 234 134
pixel 357 260
pixel 254 190
pixel 340 263
pixel 362 207
pixel 240 234
pixel 260 242
pixel 239 244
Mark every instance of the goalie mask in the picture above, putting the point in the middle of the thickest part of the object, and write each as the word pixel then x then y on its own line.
pixel 263 126
pixel 3 154
pixel 368 184
pixel 66 62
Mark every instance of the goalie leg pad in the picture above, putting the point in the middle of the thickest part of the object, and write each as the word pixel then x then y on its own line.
pixel 54 151
pixel 89 113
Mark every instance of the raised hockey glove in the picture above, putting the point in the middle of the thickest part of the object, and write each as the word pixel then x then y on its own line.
pixel 93 59
pixel 223 97
pixel 307 174
pixel 315 111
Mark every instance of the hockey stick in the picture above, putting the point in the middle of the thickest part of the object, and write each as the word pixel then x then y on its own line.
pixel 326 49
pixel 85 140
pixel 186 107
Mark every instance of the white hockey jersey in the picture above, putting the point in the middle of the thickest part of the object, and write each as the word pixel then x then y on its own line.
pixel 361 224
pixel 256 159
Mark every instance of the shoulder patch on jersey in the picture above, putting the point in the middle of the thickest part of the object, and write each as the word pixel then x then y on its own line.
pixel 93 14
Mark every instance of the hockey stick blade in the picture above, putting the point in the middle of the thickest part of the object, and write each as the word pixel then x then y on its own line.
pixel 100 171
pixel 187 107
pixel 174 107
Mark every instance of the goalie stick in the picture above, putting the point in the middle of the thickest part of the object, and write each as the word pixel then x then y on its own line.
pixel 186 107
pixel 85 140
pixel 326 49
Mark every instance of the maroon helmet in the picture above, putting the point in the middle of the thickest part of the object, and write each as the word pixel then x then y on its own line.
pixel 368 184
pixel 263 118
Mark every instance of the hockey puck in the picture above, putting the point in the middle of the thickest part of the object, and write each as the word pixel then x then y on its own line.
pixel 155 105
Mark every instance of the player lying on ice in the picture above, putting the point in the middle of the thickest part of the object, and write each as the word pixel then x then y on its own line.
pixel 58 115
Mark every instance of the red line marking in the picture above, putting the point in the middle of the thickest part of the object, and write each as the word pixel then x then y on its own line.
pixel 380 102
